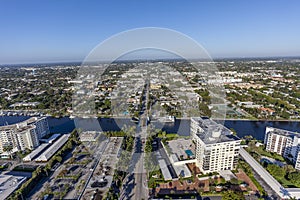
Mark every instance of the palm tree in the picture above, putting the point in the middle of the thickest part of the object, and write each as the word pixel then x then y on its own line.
pixel 47 168
pixel 19 194
pixel 8 150
pixel 37 171
pixel 164 134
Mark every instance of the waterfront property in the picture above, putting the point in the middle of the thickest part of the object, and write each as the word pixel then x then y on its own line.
pixel 182 148
pixel 180 155
pixel 177 159
pixel 23 135
pixel 284 143
pixel 40 149
pixel 217 148
pixel 46 155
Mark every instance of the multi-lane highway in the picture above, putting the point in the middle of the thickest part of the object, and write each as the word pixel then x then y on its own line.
pixel 135 186
pixel 140 174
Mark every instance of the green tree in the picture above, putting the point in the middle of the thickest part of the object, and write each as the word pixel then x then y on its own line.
pixel 233 131
pixel 232 195
pixel 8 150
pixel 289 168
pixel 234 181
pixel 59 159
pixel 275 170
pixel 294 177
pixel 47 169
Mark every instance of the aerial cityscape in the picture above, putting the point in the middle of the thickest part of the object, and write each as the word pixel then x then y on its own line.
pixel 149 100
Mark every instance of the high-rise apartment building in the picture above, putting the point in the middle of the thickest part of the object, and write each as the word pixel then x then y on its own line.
pixel 285 143
pixel 217 148
pixel 27 137
pixel 23 135
pixel 40 123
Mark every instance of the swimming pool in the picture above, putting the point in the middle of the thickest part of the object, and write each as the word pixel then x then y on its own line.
pixel 189 152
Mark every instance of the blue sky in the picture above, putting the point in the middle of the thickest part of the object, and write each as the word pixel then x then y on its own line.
pixel 64 30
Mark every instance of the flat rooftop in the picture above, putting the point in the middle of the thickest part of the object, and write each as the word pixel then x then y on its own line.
pixel 164 169
pixel 179 147
pixel 35 152
pixel 282 132
pixel 8 184
pixel 53 137
pixel 182 170
pixel 46 155
pixel 21 124
pixel 213 132
pixel 24 128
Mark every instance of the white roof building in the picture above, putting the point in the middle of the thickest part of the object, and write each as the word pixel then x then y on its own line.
pixel 45 156
pixel 35 152
pixel 164 169
pixel 8 184
pixel 217 148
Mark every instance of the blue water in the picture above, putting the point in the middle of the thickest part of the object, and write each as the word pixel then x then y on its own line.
pixel 257 128
pixel 65 125
pixel 189 152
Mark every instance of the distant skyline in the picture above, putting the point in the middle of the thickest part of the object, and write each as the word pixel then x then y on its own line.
pixel 35 31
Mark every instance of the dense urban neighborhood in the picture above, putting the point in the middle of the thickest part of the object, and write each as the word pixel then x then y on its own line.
pixel 141 160
pixel 149 100
pixel 254 89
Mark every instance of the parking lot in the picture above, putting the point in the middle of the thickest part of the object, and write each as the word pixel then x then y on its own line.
pixel 67 179
pixel 102 177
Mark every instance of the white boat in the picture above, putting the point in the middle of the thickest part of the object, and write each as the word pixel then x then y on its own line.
pixel 167 119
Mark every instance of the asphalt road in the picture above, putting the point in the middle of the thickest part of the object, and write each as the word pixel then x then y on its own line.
pixel 135 182
pixel 140 191
pixel 135 186
pixel 141 188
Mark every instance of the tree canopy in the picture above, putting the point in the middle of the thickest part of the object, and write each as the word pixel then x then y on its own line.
pixel 231 195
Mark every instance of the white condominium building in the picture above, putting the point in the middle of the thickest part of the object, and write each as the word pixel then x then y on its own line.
pixel 27 138
pixel 217 148
pixel 40 123
pixel 285 143
pixel 23 135
pixel 7 138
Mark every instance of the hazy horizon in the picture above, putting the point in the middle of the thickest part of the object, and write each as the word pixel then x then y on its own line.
pixel 63 31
